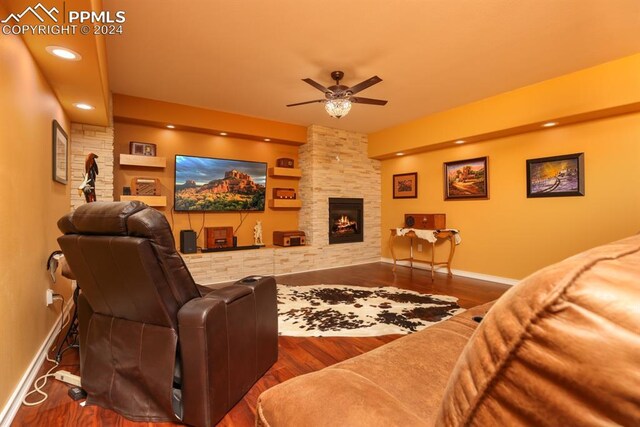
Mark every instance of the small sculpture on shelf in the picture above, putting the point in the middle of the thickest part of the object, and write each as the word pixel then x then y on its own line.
pixel 257 234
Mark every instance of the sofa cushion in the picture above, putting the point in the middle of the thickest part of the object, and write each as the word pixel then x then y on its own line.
pixel 560 348
pixel 333 397
pixel 400 383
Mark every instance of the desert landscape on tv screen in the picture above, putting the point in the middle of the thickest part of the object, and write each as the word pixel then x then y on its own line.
pixel 207 184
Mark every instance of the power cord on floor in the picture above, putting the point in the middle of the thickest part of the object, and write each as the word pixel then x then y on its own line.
pixel 41 381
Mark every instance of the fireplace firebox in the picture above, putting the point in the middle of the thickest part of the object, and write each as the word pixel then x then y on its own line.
pixel 346 223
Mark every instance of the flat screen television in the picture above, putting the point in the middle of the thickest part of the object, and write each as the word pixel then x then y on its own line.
pixel 219 185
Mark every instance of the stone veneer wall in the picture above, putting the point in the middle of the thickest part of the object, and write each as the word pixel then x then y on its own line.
pixel 334 163
pixel 87 139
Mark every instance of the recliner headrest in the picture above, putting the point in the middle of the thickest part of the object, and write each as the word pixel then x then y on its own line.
pixel 100 218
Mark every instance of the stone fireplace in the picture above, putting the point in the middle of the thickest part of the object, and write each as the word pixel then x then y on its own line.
pixel 346 223
pixel 335 165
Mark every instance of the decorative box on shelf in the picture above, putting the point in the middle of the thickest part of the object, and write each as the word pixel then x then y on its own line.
pixel 425 221
pixel 218 237
pixel 284 193
pixel 284 162
pixel 141 186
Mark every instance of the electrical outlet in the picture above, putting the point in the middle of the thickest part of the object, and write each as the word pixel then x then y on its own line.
pixel 49 297
pixel 419 247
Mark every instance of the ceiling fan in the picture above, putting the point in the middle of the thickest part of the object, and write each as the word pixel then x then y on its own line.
pixel 338 98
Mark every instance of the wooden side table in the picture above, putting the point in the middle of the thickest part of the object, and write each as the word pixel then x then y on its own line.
pixel 439 235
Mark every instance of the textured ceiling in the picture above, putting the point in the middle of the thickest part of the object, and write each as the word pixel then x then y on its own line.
pixel 248 57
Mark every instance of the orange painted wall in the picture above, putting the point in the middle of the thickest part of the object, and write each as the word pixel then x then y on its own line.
pixel 510 235
pixel 172 142
pixel 31 205
pixel 607 86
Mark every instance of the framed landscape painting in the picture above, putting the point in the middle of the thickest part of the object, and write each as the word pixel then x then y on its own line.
pixel 60 144
pixel 405 185
pixel 466 179
pixel 557 176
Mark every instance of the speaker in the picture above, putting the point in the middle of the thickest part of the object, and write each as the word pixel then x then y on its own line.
pixel 188 241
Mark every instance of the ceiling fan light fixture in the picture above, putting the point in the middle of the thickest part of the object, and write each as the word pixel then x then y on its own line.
pixel 337 107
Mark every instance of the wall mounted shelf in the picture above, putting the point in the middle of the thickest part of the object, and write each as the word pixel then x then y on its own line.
pixel 153 201
pixel 285 203
pixel 145 161
pixel 285 172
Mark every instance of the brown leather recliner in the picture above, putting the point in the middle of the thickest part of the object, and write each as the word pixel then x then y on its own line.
pixel 154 346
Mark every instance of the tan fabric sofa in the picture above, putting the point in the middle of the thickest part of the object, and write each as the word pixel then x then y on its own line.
pixel 560 348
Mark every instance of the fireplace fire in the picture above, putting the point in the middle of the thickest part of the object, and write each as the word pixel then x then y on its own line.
pixel 345 225
pixel 345 220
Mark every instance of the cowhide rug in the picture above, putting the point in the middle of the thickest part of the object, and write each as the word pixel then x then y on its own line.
pixel 356 311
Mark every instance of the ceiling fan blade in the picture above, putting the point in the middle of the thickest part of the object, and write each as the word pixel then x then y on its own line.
pixel 306 102
pixel 371 101
pixel 365 84
pixel 317 85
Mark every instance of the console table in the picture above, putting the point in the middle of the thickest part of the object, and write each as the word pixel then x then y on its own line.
pixel 437 235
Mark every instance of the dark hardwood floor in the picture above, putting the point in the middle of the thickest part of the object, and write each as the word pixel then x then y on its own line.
pixel 297 355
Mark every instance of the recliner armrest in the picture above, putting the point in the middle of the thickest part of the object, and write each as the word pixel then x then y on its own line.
pixel 229 294
pixel 228 338
pixel 265 291
pixel 217 350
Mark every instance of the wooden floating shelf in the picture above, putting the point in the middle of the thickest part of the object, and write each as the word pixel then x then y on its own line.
pixel 285 204
pixel 154 201
pixel 285 172
pixel 145 161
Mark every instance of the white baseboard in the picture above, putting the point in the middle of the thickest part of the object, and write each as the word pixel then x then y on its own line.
pixel 461 273
pixel 15 401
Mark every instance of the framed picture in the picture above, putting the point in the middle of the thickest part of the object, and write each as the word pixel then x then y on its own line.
pixel 405 186
pixel 557 176
pixel 60 151
pixel 466 179
pixel 142 148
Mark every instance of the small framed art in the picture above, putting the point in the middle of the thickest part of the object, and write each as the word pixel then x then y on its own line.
pixel 405 185
pixel 557 176
pixel 142 148
pixel 466 179
pixel 60 148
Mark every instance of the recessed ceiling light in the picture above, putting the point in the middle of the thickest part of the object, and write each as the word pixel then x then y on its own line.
pixel 171 126
pixel 460 141
pixel 399 154
pixel 223 134
pixel 84 106
pixel 267 139
pixel 549 124
pixel 64 53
